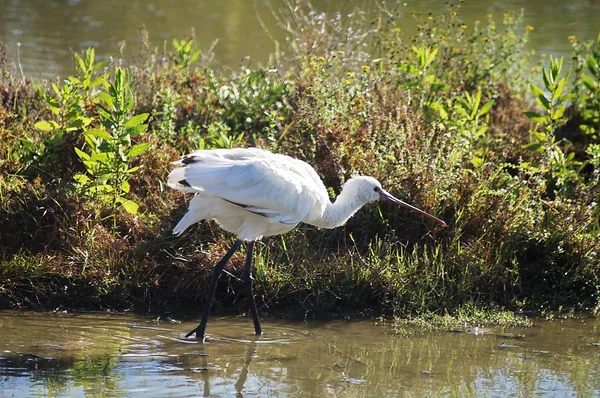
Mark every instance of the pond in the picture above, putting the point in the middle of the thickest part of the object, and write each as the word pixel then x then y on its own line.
pixel 127 355
pixel 43 34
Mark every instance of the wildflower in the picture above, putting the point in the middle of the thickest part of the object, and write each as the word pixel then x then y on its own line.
pixel 512 37
pixel 397 30
pixel 341 52
pixel 484 38
pixel 530 28
pixel 321 59
pixel 571 37
pixel 488 16
pixel 366 68
pixel 463 26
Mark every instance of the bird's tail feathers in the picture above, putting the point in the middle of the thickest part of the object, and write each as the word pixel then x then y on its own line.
pixel 188 220
pixel 177 181
pixel 200 208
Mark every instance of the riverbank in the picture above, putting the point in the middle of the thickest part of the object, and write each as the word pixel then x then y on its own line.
pixel 454 120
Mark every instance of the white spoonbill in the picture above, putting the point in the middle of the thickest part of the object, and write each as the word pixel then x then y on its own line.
pixel 252 193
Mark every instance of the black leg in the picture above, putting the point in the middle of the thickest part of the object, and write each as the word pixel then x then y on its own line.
pixel 249 281
pixel 217 271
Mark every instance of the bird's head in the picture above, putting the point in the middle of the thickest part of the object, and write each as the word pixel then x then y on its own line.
pixel 366 189
pixel 369 190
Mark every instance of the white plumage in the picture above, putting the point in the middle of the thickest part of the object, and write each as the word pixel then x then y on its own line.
pixel 252 193
pixel 249 192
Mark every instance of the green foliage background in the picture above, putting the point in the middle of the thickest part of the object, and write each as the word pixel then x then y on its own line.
pixel 454 120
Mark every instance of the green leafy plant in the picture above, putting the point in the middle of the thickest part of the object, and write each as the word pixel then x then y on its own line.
pixel 248 99
pixel 218 135
pixel 559 162
pixel 468 118
pixel 185 53
pixel 589 99
pixel 552 104
pixel 68 107
pixel 166 116
pixel 86 68
pixel 420 74
pixel 110 149
pixel 470 109
pixel 69 100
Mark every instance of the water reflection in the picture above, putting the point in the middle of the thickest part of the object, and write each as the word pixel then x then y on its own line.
pixel 124 355
pixel 50 30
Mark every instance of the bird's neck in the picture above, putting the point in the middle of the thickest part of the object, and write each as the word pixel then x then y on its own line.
pixel 336 214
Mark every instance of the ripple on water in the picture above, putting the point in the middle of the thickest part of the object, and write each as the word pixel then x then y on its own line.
pixel 227 330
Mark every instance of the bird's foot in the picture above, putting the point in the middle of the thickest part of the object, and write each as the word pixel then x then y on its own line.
pixel 190 333
pixel 198 336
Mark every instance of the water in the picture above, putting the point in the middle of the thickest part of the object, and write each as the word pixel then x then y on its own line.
pixel 43 34
pixel 125 355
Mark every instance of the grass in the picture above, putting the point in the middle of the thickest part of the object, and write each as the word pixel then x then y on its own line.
pixel 463 319
pixel 453 120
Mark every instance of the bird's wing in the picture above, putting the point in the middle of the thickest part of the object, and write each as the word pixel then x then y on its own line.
pixel 278 187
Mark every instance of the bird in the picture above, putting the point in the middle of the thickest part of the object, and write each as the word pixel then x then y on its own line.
pixel 253 193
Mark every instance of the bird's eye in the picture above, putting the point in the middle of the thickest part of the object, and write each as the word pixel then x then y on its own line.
pixel 376 189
